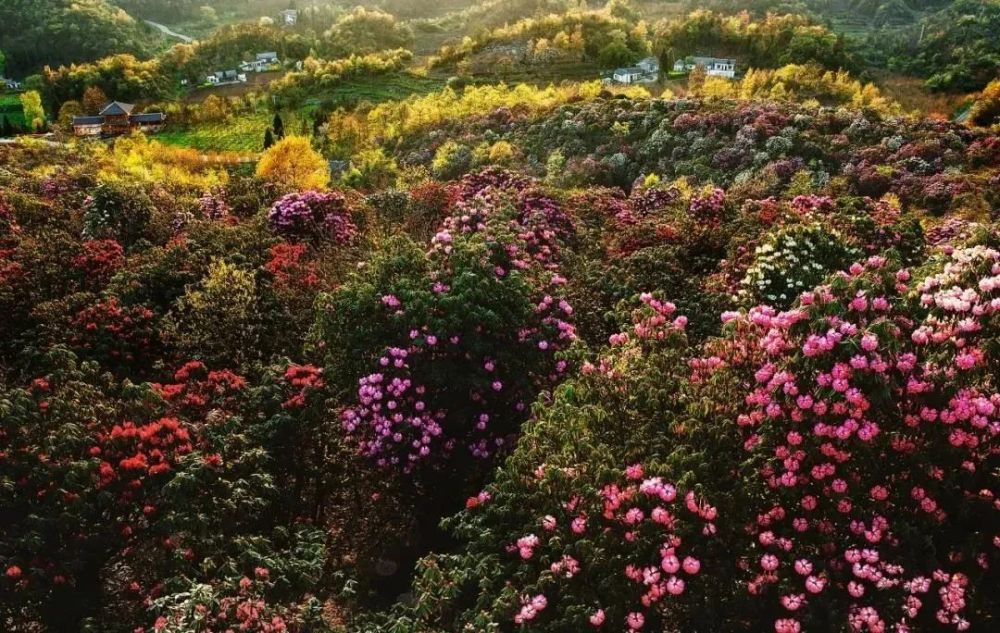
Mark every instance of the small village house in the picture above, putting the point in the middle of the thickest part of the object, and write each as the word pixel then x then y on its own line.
pixel 645 71
pixel 117 118
pixel 261 63
pixel 714 66
pixel 224 77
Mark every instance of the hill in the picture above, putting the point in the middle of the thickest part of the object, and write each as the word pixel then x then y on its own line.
pixel 85 30
pixel 531 359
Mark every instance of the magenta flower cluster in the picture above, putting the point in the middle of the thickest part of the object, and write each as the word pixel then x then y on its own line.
pixel 402 428
pixel 872 425
pixel 408 413
pixel 638 527
pixel 313 214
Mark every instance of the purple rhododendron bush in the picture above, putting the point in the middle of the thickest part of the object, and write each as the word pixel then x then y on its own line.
pixel 675 366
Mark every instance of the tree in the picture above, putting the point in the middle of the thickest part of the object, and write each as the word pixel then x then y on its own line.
pixel 451 160
pixel 3 63
pixel 69 110
pixel 365 31
pixel 94 100
pixel 986 110
pixel 34 113
pixel 293 162
pixel 616 54
pixel 208 15
pixel 372 169
pixel 696 80
pixel 268 139
pixel 623 9
pixel 278 126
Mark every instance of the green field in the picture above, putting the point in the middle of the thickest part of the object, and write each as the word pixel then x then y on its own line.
pixel 376 90
pixel 245 133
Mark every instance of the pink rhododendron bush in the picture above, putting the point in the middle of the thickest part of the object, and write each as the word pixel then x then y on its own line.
pixel 853 466
pixel 467 330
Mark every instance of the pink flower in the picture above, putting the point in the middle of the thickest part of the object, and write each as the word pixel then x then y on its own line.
pixel 691 565
pixel 670 564
pixel 789 625
pixel 675 586
pixel 815 584
pixel 635 620
pixel 597 617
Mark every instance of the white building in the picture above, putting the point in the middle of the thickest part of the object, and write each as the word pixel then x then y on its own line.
pixel 630 75
pixel 222 77
pixel 650 65
pixel 645 71
pixel 714 66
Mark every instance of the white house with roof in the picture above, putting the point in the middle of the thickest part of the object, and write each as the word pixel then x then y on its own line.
pixel 714 66
pixel 645 71
pixel 263 62
pixel 224 77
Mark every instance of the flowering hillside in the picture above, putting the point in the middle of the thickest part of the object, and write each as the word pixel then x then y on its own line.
pixel 616 363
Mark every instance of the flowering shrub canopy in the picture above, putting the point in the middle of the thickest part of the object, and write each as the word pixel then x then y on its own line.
pixel 730 366
pixel 313 214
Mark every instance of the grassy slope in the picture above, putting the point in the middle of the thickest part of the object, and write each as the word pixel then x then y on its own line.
pixel 245 133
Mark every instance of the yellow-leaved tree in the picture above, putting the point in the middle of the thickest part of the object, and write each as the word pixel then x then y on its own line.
pixel 292 162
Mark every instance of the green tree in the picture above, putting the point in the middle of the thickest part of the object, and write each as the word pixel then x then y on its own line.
pixel 451 160
pixel 69 110
pixel 616 54
pixel 34 113
pixel 268 138
pixel 278 126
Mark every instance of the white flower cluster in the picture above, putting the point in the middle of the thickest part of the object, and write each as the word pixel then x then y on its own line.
pixel 791 261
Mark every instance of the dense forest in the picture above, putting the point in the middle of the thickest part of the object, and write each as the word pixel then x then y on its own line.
pixel 84 29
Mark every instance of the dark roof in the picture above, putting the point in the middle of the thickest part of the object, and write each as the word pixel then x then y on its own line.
pixel 149 117
pixel 88 120
pixel 705 61
pixel 116 108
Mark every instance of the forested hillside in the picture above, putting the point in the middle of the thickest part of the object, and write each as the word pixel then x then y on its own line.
pixel 36 33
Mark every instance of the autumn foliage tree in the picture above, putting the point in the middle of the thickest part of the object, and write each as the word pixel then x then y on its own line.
pixel 294 164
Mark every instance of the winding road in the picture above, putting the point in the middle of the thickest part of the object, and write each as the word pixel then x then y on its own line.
pixel 166 30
